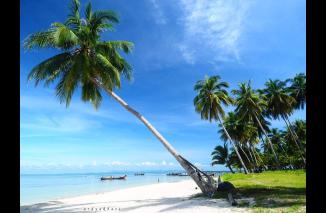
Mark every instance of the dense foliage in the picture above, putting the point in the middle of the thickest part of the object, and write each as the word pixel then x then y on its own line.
pixel 256 145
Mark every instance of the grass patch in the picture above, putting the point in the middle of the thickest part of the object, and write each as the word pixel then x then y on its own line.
pixel 273 191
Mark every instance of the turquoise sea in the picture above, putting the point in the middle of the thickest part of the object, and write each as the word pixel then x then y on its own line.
pixel 35 188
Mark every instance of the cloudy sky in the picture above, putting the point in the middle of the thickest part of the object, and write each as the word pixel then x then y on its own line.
pixel 176 44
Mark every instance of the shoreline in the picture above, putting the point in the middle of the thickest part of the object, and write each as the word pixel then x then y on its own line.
pixel 63 197
pixel 159 197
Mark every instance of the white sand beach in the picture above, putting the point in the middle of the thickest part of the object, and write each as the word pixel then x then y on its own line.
pixel 160 197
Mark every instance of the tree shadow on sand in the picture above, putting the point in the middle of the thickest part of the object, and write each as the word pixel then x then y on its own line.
pixel 56 206
pixel 175 203
pixel 275 197
pixel 168 204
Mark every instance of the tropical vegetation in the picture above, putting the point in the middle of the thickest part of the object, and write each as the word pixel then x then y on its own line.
pixel 270 191
pixel 256 146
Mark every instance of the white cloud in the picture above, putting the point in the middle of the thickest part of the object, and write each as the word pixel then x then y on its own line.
pixel 187 54
pixel 159 16
pixel 215 26
pixel 147 163
pixel 117 163
pixel 164 163
pixel 60 124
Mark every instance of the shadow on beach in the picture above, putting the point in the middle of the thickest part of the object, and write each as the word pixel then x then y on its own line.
pixel 168 205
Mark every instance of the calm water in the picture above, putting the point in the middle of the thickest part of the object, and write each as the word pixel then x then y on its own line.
pixel 41 187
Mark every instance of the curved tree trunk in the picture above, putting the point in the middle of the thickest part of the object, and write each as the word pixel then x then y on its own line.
pixel 286 155
pixel 235 148
pixel 294 137
pixel 269 141
pixel 243 151
pixel 256 153
pixel 204 181
pixel 253 153
pixel 251 157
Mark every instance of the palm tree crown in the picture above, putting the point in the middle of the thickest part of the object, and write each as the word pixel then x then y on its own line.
pixel 238 129
pixel 279 102
pixel 211 94
pixel 249 104
pixel 85 61
pixel 220 155
pixel 298 90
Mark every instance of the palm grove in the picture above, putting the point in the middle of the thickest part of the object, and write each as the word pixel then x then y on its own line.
pixel 247 126
pixel 95 66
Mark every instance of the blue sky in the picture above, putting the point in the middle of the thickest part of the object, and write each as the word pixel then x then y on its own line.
pixel 176 44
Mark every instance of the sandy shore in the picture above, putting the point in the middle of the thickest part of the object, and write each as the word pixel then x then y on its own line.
pixel 160 197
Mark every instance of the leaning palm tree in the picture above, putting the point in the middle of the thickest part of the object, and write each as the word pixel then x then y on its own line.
pixel 299 128
pixel 208 102
pixel 297 90
pixel 221 155
pixel 95 66
pixel 280 104
pixel 250 106
pixel 239 131
pixel 278 140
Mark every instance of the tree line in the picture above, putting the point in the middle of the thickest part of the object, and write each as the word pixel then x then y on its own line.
pixel 255 146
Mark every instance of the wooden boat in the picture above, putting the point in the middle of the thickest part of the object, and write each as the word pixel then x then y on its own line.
pixel 139 173
pixel 173 174
pixel 177 174
pixel 114 178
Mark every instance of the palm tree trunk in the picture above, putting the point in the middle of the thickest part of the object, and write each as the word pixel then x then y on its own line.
pixel 251 157
pixel 204 182
pixel 231 170
pixel 235 148
pixel 261 160
pixel 286 155
pixel 294 137
pixel 253 154
pixel 269 141
pixel 289 124
pixel 249 161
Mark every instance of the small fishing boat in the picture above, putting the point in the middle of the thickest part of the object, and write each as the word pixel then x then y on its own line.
pixel 173 174
pixel 139 173
pixel 183 174
pixel 177 174
pixel 114 178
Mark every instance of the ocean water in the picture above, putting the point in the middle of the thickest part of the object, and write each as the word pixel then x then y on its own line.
pixel 35 188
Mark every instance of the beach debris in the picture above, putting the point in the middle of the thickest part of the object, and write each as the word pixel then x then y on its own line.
pixel 229 188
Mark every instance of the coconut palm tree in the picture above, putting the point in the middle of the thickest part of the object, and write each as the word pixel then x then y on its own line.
pixel 280 104
pixel 297 90
pixel 239 131
pixel 221 155
pixel 250 106
pixel 299 126
pixel 211 94
pixel 278 140
pixel 95 66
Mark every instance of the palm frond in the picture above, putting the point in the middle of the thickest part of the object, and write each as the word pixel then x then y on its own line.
pixel 50 69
